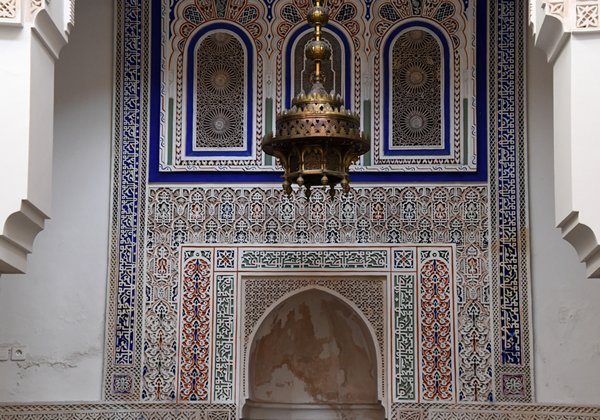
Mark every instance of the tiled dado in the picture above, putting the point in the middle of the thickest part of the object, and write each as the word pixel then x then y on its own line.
pixel 166 411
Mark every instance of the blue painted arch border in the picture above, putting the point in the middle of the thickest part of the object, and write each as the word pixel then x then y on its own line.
pixel 445 88
pixel 480 175
pixel 191 72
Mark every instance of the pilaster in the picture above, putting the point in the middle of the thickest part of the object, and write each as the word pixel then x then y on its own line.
pixel 569 33
pixel 32 33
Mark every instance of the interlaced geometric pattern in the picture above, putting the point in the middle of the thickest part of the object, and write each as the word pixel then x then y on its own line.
pixel 148 299
pixel 8 9
pixel 404 411
pixel 588 15
pixel 219 92
pixel 195 341
pixel 424 74
pixel 346 12
pixel 416 86
pixel 420 215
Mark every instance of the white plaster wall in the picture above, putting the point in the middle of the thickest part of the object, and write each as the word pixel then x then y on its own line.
pixel 565 304
pixel 57 309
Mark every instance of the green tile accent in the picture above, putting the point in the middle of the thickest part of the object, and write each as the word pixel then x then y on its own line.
pixel 403 310
pixel 268 126
pixel 367 128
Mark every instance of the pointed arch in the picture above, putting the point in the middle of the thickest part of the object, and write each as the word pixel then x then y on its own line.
pixel 219 65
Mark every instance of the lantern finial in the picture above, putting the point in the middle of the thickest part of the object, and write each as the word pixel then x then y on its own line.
pixel 317 140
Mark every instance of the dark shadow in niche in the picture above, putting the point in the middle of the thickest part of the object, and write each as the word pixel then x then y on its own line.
pixel 331 69
pixel 313 356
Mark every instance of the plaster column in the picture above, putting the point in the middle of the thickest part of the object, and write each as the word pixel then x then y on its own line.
pixel 32 33
pixel 568 31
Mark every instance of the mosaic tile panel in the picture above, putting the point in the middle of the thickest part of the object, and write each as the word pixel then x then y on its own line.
pixel 447 136
pixel 268 32
pixel 129 199
pixel 510 262
pixel 197 278
pixel 403 221
pixel 436 317
pixel 153 411
pixel 131 101
pixel 195 325
pixel 199 125
pixel 315 259
pixel 145 251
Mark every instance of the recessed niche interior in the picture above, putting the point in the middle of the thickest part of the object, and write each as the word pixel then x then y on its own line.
pixel 313 350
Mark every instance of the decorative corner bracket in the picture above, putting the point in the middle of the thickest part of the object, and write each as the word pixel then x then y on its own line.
pixel 575 15
pixel 582 238
pixel 26 203
pixel 558 26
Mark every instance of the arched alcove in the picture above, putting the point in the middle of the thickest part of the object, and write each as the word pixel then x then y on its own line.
pixel 313 356
pixel 417 71
pixel 417 87
pixel 218 90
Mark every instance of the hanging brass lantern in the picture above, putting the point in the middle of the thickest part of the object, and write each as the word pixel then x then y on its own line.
pixel 317 140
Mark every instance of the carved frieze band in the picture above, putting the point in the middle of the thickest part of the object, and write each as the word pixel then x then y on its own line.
pixel 195 411
pixel 576 15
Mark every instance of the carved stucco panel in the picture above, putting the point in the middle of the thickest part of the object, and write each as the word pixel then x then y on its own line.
pixel 575 15
pixel 586 15
pixel 10 12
